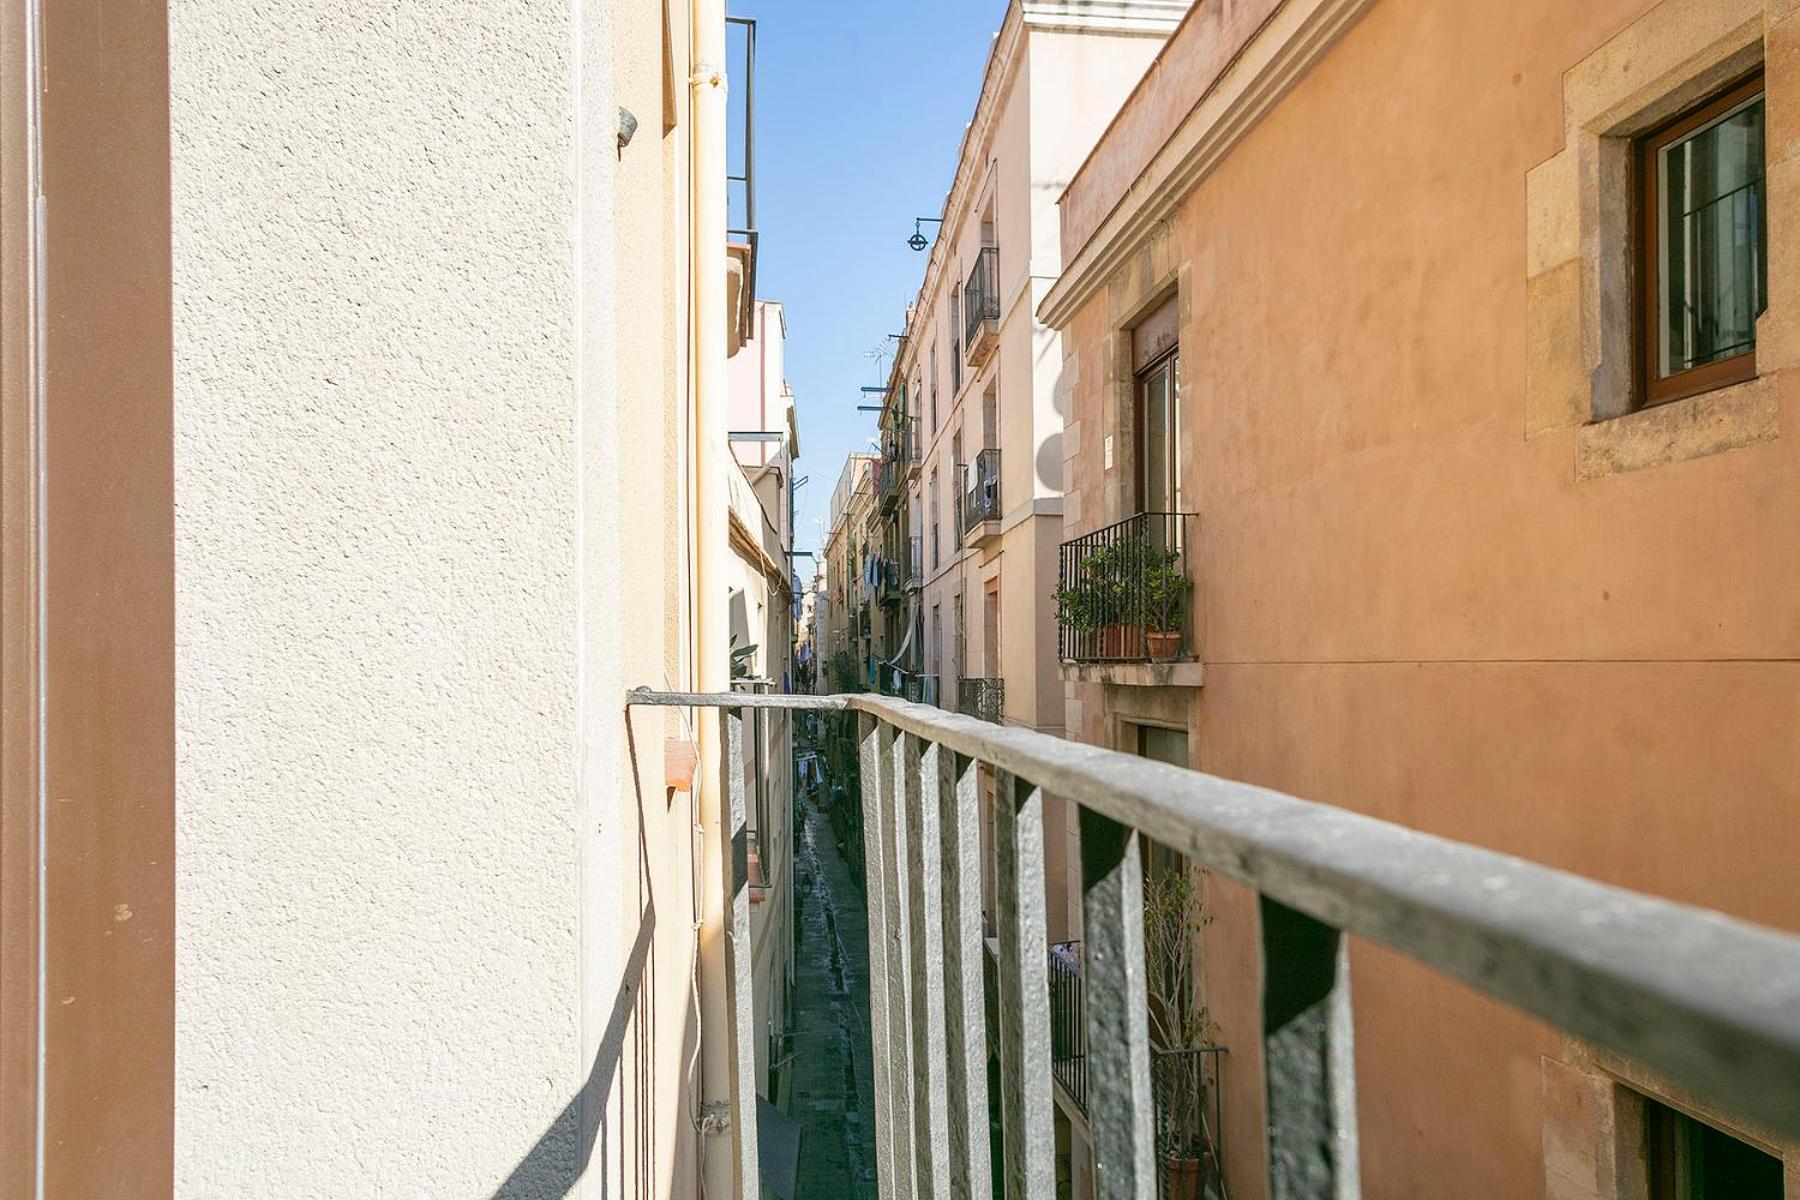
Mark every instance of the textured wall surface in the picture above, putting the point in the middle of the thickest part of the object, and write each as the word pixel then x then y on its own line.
pixel 376 363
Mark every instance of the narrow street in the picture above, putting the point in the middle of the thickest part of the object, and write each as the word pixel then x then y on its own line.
pixel 833 1082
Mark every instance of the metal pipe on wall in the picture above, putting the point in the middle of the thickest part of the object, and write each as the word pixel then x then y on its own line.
pixel 707 172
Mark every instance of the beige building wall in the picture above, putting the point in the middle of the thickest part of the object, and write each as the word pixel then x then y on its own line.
pixel 1435 583
pixel 433 896
pixel 1054 79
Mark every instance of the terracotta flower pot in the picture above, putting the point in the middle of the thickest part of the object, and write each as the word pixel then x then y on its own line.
pixel 1121 641
pixel 1164 644
pixel 1184 1178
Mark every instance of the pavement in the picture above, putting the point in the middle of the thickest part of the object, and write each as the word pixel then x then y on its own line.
pixel 833 1095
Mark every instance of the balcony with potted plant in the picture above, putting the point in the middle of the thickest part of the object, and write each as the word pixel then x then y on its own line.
pixel 1123 603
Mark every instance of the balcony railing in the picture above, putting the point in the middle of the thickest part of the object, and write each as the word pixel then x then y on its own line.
pixel 983 698
pixel 981 490
pixel 1190 1121
pixel 915 561
pixel 890 476
pixel 981 304
pixel 889 581
pixel 1123 592
pixel 1068 1022
pixel 900 442
pixel 1710 1003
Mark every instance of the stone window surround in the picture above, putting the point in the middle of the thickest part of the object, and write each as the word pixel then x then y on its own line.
pixel 1580 241
pixel 1594 1129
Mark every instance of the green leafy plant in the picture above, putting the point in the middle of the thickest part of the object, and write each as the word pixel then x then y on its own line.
pixel 1162 590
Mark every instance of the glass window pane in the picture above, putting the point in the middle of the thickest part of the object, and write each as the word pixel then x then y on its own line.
pixel 1157 490
pixel 1711 263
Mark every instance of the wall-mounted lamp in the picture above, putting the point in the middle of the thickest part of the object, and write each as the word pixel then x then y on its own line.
pixel 918 240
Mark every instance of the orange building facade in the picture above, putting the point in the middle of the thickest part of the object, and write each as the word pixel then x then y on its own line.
pixel 1485 334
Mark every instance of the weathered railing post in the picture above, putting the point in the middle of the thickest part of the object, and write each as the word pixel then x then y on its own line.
pixel 1307 1058
pixel 896 887
pixel 734 851
pixel 893 1155
pixel 921 781
pixel 1120 1108
pixel 1026 1102
pixel 965 1027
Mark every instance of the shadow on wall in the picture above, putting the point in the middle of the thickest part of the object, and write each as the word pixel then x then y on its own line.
pixel 566 1151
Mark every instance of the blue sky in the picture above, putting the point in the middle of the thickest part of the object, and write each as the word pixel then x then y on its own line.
pixel 860 109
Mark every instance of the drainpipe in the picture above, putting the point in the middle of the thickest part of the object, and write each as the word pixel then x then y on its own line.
pixel 712 670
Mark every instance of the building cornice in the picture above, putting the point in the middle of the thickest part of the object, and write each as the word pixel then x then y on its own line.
pixel 1107 16
pixel 1271 62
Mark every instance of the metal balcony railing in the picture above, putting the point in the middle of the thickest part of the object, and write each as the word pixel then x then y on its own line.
pixel 915 561
pixel 983 698
pixel 1068 1022
pixel 889 581
pixel 1123 592
pixel 1189 1107
pixel 981 299
pixel 1710 1003
pixel 981 490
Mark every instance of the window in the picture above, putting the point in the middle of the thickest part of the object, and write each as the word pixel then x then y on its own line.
pixel 934 518
pixel 955 339
pixel 1689 1160
pixel 1159 442
pixel 934 385
pixel 956 659
pixel 1702 257
pixel 1156 363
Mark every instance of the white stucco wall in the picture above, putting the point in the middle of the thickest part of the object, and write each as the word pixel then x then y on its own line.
pixel 379 442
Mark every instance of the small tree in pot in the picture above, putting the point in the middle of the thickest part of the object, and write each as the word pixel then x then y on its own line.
pixel 1163 589
pixel 1173 919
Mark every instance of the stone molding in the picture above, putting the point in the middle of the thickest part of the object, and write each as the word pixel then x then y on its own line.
pixel 1578 238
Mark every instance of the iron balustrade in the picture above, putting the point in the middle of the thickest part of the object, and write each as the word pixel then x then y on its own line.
pixel 1706 1001
pixel 981 296
pixel 915 561
pixel 1190 1121
pixel 1123 592
pixel 982 698
pixel 1068 1022
pixel 981 490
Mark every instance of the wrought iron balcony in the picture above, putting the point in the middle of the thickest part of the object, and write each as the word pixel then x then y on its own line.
pixel 915 562
pixel 1068 1022
pixel 983 698
pixel 889 581
pixel 1124 594
pixel 981 497
pixel 890 482
pixel 981 306
pixel 1710 1003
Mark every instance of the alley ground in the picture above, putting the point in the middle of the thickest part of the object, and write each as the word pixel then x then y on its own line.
pixel 833 1084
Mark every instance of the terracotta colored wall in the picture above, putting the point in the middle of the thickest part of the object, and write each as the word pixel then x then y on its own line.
pixel 1411 610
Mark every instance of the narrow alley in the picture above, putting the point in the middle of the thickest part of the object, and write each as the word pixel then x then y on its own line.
pixel 834 1097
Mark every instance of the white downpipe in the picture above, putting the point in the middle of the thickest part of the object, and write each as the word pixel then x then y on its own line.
pixel 712 670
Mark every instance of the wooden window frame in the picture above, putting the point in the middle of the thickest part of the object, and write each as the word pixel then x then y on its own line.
pixel 1649 390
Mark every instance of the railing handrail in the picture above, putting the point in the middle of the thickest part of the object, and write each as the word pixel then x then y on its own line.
pixel 1122 522
pixel 1710 1001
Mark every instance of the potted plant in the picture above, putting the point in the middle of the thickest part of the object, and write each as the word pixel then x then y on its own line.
pixel 1096 604
pixel 1163 592
pixel 1173 918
